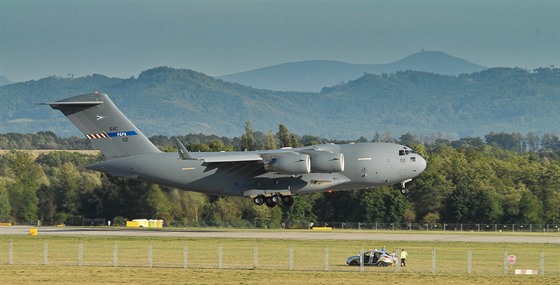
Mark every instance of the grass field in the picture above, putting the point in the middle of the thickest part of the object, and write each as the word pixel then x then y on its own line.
pixel 18 274
pixel 141 260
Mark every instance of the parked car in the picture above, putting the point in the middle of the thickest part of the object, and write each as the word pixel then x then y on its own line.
pixel 371 258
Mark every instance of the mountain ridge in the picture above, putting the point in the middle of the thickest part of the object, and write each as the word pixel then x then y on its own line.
pixel 168 101
pixel 312 75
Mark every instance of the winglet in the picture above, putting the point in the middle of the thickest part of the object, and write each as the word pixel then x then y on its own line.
pixel 182 150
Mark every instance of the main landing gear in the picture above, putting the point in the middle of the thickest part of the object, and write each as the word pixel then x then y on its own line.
pixel 274 200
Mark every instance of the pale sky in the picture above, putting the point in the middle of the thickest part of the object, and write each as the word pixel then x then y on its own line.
pixel 123 38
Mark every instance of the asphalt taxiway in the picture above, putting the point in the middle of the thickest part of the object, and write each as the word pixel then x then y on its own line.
pixel 551 238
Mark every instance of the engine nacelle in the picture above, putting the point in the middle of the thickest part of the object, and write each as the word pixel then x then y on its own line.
pixel 289 164
pixel 327 162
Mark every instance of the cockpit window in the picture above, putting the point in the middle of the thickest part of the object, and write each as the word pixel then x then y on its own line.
pixel 404 152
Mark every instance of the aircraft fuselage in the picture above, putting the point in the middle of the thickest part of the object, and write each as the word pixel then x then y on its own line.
pixel 366 165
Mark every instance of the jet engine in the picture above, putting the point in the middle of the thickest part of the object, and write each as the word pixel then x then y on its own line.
pixel 289 164
pixel 327 162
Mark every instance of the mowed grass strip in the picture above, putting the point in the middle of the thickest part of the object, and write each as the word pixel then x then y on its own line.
pixel 271 254
pixel 37 274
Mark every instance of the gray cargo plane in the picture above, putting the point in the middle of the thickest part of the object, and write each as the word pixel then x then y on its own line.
pixel 269 177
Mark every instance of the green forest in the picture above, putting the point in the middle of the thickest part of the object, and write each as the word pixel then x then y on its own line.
pixel 503 178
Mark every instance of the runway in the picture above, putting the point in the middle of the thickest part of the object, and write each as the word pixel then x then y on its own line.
pixel 550 238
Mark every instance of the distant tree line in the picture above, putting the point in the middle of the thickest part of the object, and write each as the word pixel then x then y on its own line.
pixel 501 178
pixel 256 140
pixel 41 140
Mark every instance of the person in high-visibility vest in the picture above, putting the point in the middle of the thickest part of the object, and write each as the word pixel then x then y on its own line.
pixel 404 254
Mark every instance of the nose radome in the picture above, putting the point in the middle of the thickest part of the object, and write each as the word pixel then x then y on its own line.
pixel 421 164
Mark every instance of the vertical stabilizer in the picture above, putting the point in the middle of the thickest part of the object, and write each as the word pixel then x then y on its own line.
pixel 108 129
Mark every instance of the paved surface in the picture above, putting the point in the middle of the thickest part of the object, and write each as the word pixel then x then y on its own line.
pixel 553 238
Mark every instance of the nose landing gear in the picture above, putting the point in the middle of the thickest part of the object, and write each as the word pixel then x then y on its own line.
pixel 404 191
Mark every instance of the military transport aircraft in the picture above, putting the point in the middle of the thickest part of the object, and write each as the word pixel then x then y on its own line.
pixel 269 177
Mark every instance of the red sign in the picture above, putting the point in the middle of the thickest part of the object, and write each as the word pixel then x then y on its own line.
pixel 512 259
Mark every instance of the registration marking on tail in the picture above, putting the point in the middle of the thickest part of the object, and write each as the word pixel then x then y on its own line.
pixel 111 135
pixel 122 134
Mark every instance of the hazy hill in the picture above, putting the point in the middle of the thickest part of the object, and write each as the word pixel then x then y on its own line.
pixel 315 74
pixel 4 81
pixel 176 102
pixel 160 101
pixel 497 99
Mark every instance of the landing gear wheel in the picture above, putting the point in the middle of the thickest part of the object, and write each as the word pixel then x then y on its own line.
pixel 404 191
pixel 270 202
pixel 259 200
pixel 288 201
pixel 277 199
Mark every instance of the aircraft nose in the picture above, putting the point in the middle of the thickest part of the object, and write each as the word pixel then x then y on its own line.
pixel 421 164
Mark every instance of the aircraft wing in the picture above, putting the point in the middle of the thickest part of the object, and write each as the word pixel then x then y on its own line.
pixel 318 159
pixel 215 157
pixel 220 157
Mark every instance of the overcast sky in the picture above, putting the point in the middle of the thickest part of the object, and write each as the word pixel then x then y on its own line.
pixel 123 38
